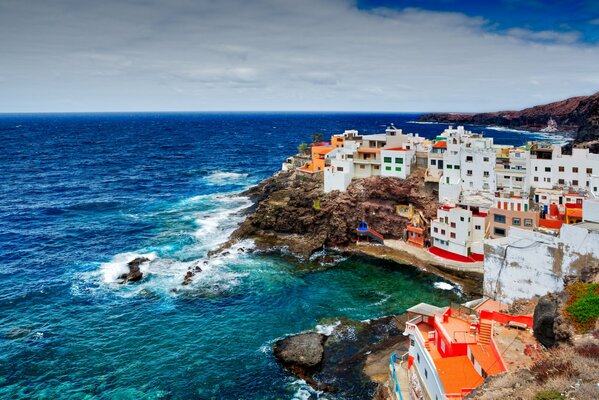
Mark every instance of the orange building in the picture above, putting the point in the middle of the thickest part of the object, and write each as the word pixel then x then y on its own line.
pixel 415 236
pixel 318 152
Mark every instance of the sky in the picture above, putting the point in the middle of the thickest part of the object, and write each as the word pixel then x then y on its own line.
pixel 302 55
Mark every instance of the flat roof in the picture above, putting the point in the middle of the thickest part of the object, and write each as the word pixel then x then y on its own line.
pixel 426 309
pixel 589 226
pixel 485 357
pixel 457 373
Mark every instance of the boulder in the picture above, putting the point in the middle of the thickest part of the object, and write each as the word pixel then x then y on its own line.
pixel 304 350
pixel 134 273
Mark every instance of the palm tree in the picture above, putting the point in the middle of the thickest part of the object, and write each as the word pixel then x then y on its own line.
pixel 317 137
pixel 302 148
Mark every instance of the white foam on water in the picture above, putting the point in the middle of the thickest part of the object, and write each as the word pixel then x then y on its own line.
pixel 443 286
pixel 305 391
pixel 113 269
pixel 327 329
pixel 224 178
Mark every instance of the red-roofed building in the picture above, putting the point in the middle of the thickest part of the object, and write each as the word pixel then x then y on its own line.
pixel 450 353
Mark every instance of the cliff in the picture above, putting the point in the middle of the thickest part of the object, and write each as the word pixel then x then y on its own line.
pixel 579 115
pixel 292 211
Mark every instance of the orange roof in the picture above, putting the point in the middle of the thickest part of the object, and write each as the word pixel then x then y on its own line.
pixel 485 357
pixel 369 151
pixel 440 145
pixel 396 149
pixel 322 150
pixel 457 373
pixel 457 329
pixel 415 229
pixel 574 212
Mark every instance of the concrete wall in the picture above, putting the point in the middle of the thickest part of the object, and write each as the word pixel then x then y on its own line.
pixel 529 263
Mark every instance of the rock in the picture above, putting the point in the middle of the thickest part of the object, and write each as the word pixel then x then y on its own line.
pixel 17 333
pixel 550 326
pixel 304 350
pixel 341 362
pixel 197 268
pixel 134 273
pixel 188 278
pixel 285 215
pixel 544 317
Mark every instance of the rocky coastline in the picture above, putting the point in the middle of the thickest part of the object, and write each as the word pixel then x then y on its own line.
pixel 577 117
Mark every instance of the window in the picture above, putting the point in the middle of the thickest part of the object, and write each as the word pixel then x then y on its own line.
pixel 516 221
pixel 561 169
pixel 547 169
pixel 536 179
pixel 499 232
pixel 499 218
pixel 590 171
pixel 462 219
pixel 418 357
pixel 377 167
pixel 399 160
pixel 518 179
pixel 340 169
pixel 387 168
pixel 560 181
pixel 435 229
pixel 575 182
pixel 433 162
pixel 412 342
pixel 575 169
pixel 442 231
pixel 425 374
pixel 477 227
pixel 456 167
pixel 486 159
pixel 469 173
pixel 362 166
pixel 453 224
pixel 387 159
pixel 452 235
pixel 449 166
pixel 527 222
pixel 398 168
pixel 469 158
pixel 486 174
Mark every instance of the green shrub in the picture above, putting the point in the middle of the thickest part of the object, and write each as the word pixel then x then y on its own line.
pixel 549 395
pixel 584 305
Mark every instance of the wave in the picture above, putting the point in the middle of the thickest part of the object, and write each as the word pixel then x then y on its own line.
pixel 112 270
pixel 327 329
pixel 225 178
pixel 443 286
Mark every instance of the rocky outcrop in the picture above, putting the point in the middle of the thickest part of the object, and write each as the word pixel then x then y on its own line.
pixel 550 326
pixel 340 361
pixel 291 210
pixel 579 115
pixel 134 273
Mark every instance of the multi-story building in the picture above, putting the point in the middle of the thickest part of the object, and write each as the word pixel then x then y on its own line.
pixel 458 233
pixel 434 168
pixel 450 354
pixel 397 161
pixel 511 210
pixel 550 168
pixel 512 168
pixel 339 169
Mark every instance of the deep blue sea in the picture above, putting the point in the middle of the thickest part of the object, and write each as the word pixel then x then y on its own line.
pixel 82 194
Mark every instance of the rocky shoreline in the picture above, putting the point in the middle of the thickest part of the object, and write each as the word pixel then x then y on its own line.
pixel 347 359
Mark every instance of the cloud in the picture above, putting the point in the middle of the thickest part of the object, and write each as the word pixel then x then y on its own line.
pixel 277 55
pixel 545 36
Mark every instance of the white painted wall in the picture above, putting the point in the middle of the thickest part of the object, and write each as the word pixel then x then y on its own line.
pixel 528 263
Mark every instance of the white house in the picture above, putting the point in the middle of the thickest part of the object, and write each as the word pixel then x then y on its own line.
pixel 459 231
pixel 340 172
pixel 550 168
pixel 397 162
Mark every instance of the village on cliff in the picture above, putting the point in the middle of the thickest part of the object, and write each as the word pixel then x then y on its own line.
pixel 526 217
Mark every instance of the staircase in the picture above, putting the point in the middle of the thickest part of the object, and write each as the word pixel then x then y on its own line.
pixel 485 331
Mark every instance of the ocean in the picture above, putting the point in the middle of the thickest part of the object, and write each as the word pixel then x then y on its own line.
pixel 83 194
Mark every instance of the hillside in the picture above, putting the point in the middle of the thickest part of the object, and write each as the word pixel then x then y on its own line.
pixel 579 115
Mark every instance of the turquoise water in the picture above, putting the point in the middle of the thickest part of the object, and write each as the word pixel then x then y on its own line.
pixel 83 194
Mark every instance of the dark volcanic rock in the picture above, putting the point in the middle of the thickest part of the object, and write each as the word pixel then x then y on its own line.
pixel 546 312
pixel 579 114
pixel 134 273
pixel 304 350
pixel 293 211
pixel 336 363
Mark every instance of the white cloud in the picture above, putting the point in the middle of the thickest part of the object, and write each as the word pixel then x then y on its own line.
pixel 275 55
